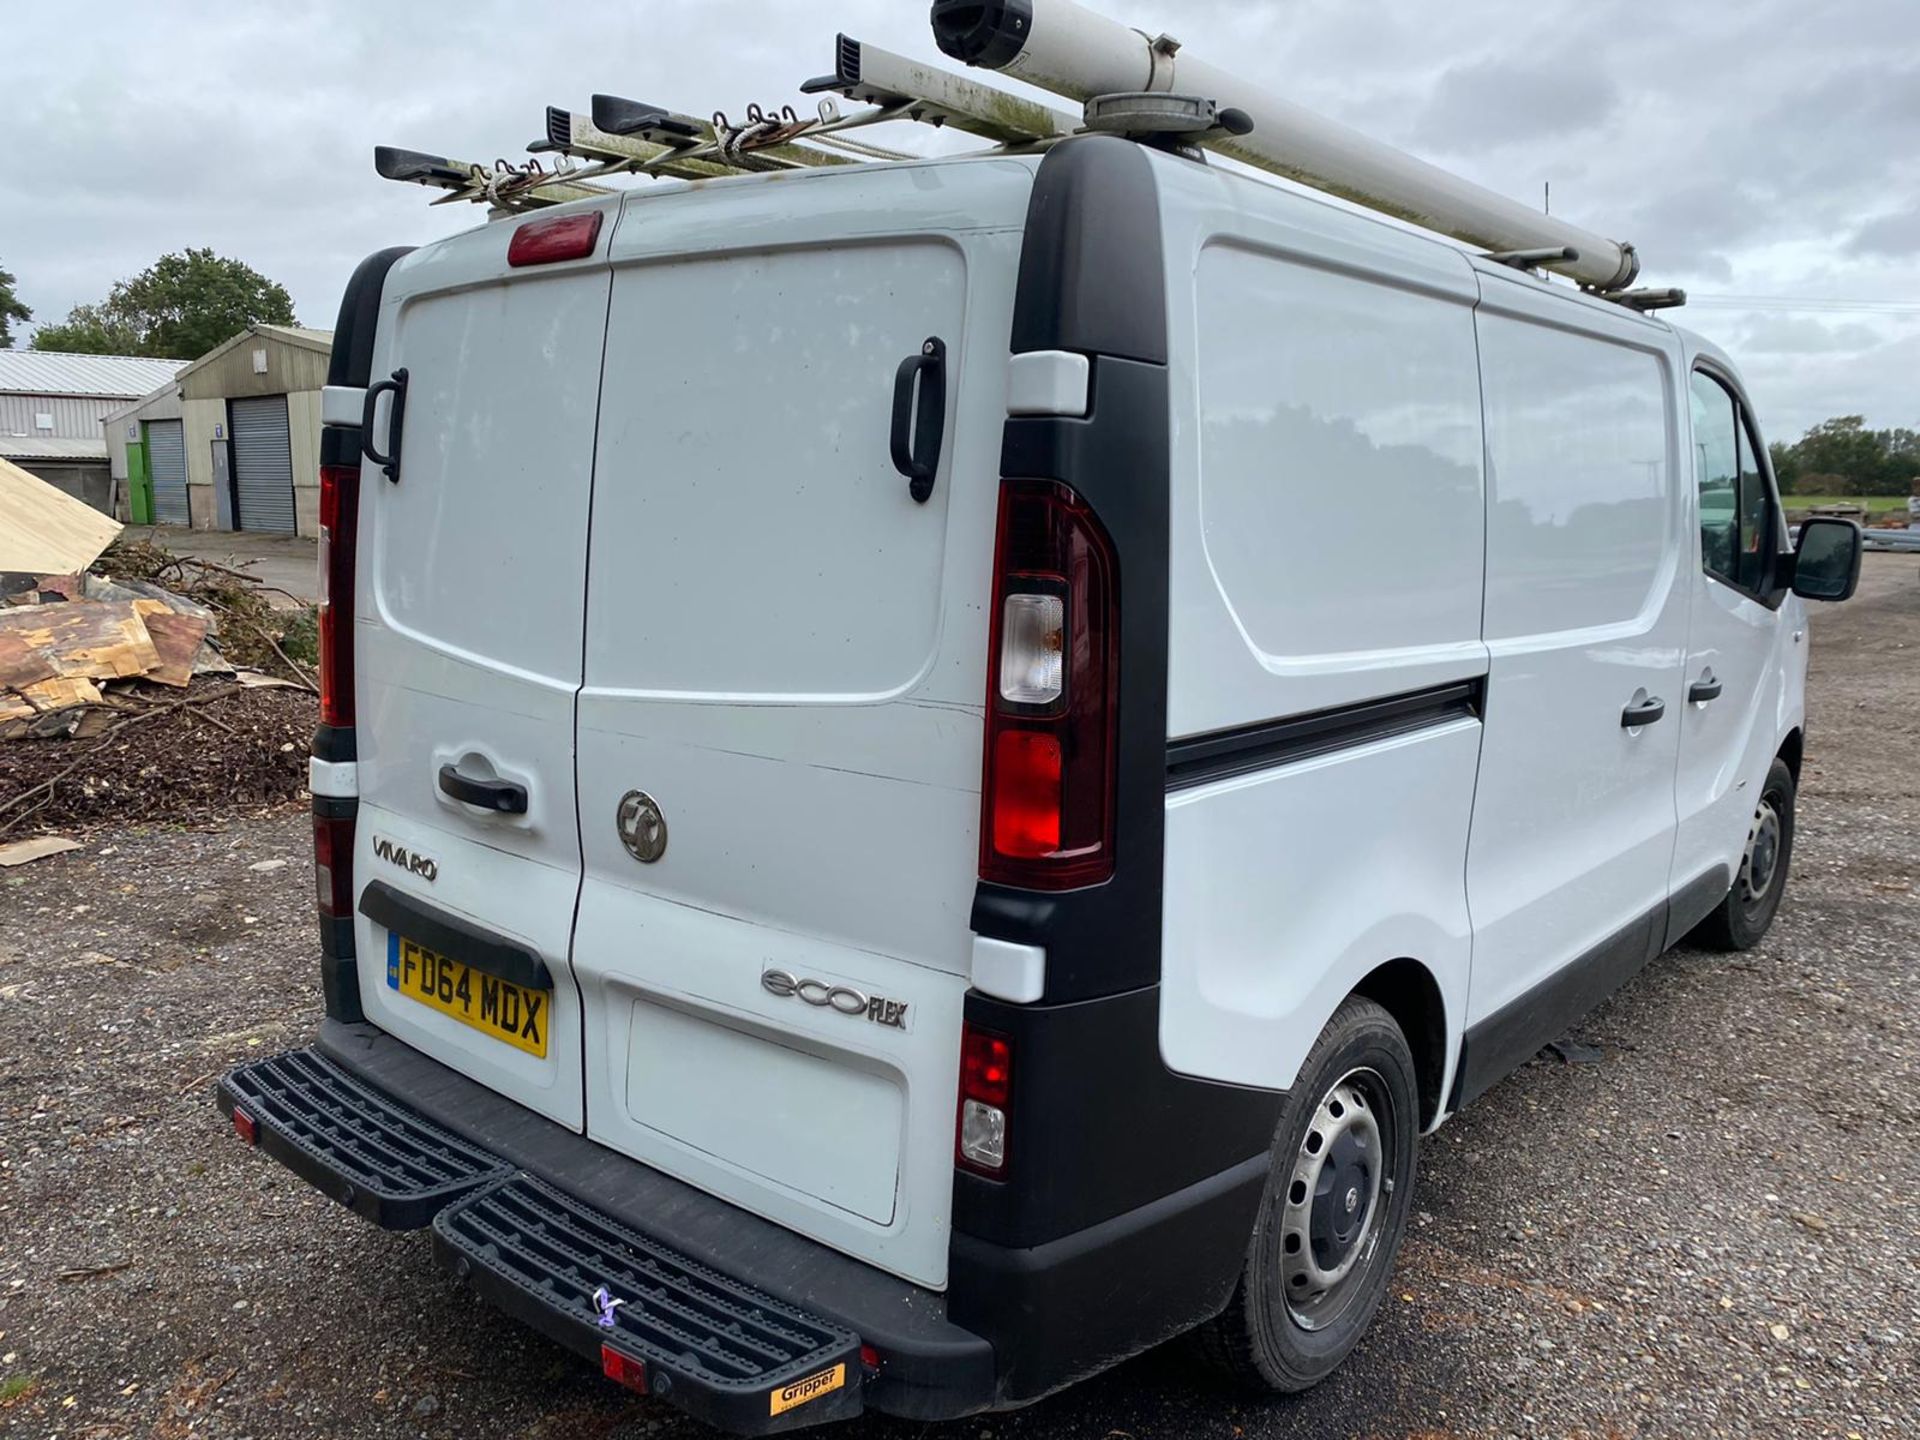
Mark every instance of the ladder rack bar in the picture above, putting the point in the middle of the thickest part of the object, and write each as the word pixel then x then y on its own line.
pixel 465 181
pixel 934 96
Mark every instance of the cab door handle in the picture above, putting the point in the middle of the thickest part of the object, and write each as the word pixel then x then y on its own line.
pixel 1643 712
pixel 500 795
pixel 1704 689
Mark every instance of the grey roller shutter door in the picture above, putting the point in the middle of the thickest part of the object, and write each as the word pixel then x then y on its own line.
pixel 263 464
pixel 167 460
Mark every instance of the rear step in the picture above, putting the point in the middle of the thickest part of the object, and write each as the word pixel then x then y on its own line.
pixel 352 1143
pixel 723 1352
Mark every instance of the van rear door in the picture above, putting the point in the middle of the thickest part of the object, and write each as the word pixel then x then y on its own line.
pixel 779 745
pixel 468 629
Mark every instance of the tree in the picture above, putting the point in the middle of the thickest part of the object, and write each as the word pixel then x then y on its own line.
pixel 178 308
pixel 1842 457
pixel 10 309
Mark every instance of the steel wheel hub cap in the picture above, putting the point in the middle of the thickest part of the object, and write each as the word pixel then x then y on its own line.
pixel 1763 852
pixel 1329 1222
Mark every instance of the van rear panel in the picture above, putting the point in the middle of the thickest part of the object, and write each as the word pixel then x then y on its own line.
pixel 785 653
pixel 468 633
pixel 650 560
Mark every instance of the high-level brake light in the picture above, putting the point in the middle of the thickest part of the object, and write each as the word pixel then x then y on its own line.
pixel 560 237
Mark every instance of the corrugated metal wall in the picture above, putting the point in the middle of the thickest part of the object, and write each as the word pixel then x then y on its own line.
pixel 74 418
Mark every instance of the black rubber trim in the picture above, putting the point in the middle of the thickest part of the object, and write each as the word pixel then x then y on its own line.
pixel 454 937
pixel 1245 749
pixel 353 1143
pixel 931 1369
pixel 1059 1312
pixel 1695 901
pixel 1092 267
pixel 989 35
pixel 1505 1040
pixel 353 331
pixel 340 978
pixel 335 744
pixel 723 1351
pixel 1098 1125
pixel 1105 939
pixel 336 807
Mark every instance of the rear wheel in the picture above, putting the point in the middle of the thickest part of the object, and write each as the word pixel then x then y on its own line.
pixel 1748 910
pixel 1338 1193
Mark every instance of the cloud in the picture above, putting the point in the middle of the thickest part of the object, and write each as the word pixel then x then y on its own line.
pixel 1801 335
pixel 1765 148
pixel 1894 235
pixel 1503 102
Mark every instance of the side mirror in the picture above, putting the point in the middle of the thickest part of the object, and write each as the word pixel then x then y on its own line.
pixel 1826 563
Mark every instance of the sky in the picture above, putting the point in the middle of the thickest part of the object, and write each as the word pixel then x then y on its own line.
pixel 1764 155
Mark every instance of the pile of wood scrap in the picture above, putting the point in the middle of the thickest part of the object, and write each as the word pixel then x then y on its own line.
pixel 58 650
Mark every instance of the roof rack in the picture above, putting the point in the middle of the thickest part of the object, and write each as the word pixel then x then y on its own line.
pixel 1126 81
pixel 629 137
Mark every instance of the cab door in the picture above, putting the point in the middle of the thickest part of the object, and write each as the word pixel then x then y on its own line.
pixel 1746 646
pixel 1586 625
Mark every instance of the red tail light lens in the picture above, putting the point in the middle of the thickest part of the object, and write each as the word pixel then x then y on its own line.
pixel 986 1098
pixel 624 1370
pixel 339 535
pixel 333 865
pixel 562 237
pixel 1052 694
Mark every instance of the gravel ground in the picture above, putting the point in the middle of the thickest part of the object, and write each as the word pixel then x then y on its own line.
pixel 1712 1231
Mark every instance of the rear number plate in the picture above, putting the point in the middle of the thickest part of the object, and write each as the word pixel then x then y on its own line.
pixel 497 1008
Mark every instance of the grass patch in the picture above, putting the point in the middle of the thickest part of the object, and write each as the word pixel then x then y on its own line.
pixel 1876 504
pixel 16 1387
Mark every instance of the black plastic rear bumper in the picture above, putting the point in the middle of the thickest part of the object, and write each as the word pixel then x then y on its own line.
pixel 930 1368
pixel 478 1167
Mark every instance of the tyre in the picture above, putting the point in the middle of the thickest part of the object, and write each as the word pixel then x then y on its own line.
pixel 1748 910
pixel 1338 1193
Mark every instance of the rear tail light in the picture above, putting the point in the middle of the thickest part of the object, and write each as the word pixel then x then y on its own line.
pixel 245 1127
pixel 339 533
pixel 986 1099
pixel 333 865
pixel 1047 796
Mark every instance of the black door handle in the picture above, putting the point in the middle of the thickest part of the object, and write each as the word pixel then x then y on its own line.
pixel 1704 689
pixel 396 417
pixel 917 437
pixel 1646 712
pixel 501 795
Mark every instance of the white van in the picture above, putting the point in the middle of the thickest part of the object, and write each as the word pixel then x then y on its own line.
pixel 933 771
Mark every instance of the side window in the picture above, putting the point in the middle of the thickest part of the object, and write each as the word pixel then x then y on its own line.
pixel 1756 517
pixel 1736 512
pixel 1716 467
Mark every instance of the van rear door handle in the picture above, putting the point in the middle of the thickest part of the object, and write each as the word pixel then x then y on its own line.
pixel 1704 689
pixel 500 795
pixel 920 417
pixel 1644 712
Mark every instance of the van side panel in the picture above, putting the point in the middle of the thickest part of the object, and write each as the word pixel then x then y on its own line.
pixel 1327 549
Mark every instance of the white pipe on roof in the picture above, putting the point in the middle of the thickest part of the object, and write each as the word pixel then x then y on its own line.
pixel 1062 46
